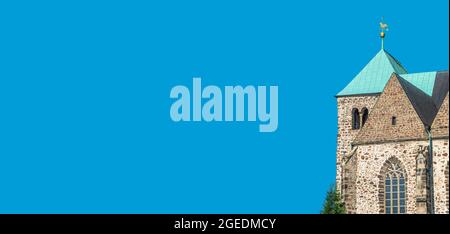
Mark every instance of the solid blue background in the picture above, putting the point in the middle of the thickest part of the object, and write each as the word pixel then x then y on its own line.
pixel 84 99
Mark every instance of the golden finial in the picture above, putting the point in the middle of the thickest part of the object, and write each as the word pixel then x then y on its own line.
pixel 384 28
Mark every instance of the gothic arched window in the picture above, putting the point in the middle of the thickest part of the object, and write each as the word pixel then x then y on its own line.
pixel 355 119
pixel 365 116
pixel 393 187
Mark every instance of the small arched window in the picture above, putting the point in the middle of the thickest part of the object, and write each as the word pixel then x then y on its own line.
pixel 355 119
pixel 365 116
pixel 394 190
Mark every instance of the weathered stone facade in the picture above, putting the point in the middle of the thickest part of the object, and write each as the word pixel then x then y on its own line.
pixel 441 161
pixel 345 133
pixel 397 132
pixel 370 160
pixel 392 103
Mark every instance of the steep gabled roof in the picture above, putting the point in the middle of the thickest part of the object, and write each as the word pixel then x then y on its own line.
pixel 440 88
pixel 422 103
pixel 423 80
pixel 374 76
pixel 399 99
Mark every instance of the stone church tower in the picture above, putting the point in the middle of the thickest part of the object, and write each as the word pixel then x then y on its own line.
pixel 393 139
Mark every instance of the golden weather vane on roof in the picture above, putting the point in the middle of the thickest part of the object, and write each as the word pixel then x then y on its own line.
pixel 384 28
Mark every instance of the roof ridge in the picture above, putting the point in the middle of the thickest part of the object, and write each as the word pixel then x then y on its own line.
pixel 398 63
pixel 423 104
pixel 440 88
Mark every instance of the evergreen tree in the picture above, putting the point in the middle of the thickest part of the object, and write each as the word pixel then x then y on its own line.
pixel 333 203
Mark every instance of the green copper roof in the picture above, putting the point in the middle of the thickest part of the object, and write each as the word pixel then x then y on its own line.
pixel 374 76
pixel 424 81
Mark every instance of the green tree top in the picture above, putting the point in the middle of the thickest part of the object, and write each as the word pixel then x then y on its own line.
pixel 333 203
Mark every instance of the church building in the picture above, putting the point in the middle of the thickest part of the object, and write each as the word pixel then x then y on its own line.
pixel 393 139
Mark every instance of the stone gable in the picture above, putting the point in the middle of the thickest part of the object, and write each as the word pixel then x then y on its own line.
pixel 392 103
pixel 440 124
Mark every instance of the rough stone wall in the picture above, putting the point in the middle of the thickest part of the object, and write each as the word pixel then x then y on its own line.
pixel 439 127
pixel 345 133
pixel 440 168
pixel 392 102
pixel 350 173
pixel 370 161
pixel 446 186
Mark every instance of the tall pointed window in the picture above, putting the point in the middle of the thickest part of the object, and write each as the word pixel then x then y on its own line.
pixel 365 116
pixel 355 119
pixel 394 189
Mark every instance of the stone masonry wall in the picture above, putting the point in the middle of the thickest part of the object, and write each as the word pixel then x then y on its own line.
pixel 370 160
pixel 440 167
pixel 350 173
pixel 393 102
pixel 345 134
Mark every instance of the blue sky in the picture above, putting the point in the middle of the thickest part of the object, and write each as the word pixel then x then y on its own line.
pixel 84 99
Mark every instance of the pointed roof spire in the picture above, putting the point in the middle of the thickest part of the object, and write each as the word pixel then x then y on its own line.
pixel 384 28
pixel 374 76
